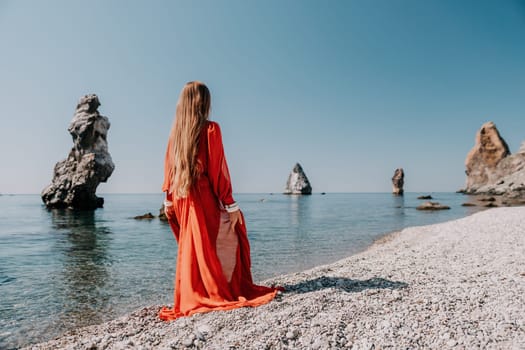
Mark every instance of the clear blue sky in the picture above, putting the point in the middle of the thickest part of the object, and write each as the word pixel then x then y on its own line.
pixel 350 89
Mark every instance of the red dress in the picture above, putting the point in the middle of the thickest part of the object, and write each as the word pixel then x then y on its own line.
pixel 213 264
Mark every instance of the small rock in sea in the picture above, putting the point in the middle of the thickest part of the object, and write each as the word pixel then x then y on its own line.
pixel 398 180
pixel 432 206
pixel 488 199
pixel 490 205
pixel 468 205
pixel 145 216
pixel 425 197
pixel 162 213
pixel 297 182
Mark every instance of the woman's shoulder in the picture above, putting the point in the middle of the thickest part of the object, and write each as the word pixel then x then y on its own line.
pixel 212 127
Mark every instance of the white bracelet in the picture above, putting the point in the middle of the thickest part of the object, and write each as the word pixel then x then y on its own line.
pixel 232 207
pixel 168 203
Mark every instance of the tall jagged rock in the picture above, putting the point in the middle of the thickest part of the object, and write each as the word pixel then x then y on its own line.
pixel 298 182
pixel 490 167
pixel 398 181
pixel 484 157
pixel 89 163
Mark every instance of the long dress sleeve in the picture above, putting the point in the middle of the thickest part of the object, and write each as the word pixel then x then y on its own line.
pixel 168 204
pixel 218 172
pixel 168 167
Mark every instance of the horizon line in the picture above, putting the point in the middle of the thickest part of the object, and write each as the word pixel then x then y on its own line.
pixel 235 193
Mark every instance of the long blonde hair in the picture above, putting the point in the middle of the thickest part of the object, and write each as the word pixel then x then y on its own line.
pixel 193 109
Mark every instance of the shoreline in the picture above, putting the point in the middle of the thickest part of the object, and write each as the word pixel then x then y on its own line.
pixel 457 284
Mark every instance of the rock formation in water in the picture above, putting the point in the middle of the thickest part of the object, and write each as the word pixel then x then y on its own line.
pixel 398 181
pixel 425 197
pixel 162 213
pixel 76 178
pixel 298 182
pixel 432 206
pixel 147 216
pixel 490 167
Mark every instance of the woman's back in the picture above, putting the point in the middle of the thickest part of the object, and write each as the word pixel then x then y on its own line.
pixel 213 262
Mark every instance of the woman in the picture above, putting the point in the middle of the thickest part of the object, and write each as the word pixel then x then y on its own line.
pixel 213 262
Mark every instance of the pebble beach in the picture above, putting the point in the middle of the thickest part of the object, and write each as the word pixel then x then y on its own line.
pixel 454 285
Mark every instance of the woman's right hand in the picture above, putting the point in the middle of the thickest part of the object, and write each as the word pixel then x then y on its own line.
pixel 235 217
pixel 168 206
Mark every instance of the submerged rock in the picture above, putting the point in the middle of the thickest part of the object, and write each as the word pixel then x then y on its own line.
pixel 162 213
pixel 89 163
pixel 145 216
pixel 398 181
pixel 425 197
pixel 298 182
pixel 432 206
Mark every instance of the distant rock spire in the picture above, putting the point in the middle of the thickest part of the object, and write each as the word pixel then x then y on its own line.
pixel 298 182
pixel 89 163
pixel 398 181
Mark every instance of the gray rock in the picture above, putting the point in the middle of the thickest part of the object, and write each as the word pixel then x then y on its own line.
pixel 432 206
pixel 187 342
pixel 292 334
pixel 298 182
pixel 89 163
pixel 147 216
pixel 162 213
pixel 204 329
pixel 398 181
pixel 425 197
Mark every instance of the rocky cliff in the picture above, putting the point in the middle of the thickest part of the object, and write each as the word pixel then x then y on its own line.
pixel 491 168
pixel 89 163
pixel 298 182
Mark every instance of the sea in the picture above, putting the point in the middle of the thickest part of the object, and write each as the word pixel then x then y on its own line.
pixel 62 269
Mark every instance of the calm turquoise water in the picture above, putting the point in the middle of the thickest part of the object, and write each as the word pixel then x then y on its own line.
pixel 61 269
